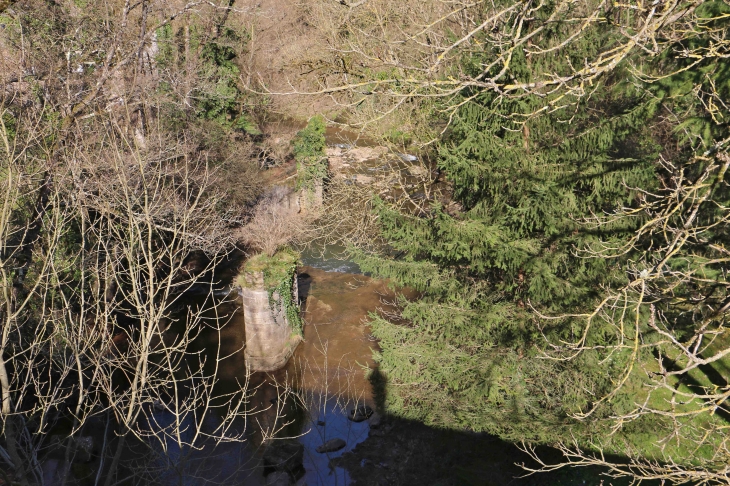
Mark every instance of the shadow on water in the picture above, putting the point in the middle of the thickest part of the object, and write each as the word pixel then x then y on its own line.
pixel 404 452
pixel 331 374
pixel 308 400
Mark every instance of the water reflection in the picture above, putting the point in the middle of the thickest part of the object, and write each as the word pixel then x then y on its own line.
pixel 327 376
pixel 308 400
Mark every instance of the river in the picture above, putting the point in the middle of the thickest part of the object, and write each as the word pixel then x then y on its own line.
pixel 329 377
pixel 310 399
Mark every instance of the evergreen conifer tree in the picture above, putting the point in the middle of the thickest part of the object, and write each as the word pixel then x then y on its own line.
pixel 512 247
pixel 591 231
pixel 470 355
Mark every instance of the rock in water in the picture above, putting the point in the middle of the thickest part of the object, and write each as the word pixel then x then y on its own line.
pixel 284 456
pixel 331 445
pixel 361 413
pixel 279 478
pixel 364 179
pixel 374 420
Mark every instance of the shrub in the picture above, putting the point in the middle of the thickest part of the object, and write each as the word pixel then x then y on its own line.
pixel 309 152
pixel 275 223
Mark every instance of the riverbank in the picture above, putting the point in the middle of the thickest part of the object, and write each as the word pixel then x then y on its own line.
pixel 405 452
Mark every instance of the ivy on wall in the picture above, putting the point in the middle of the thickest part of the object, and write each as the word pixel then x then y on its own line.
pixel 279 273
pixel 309 152
pixel 286 301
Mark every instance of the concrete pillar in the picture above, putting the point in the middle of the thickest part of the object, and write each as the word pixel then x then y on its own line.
pixel 270 339
pixel 311 200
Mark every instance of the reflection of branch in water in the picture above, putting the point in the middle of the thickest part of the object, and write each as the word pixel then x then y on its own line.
pixel 318 385
pixel 271 431
pixel 390 309
pixel 357 283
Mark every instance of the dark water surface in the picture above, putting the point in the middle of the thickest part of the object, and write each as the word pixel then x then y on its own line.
pixel 326 378
pixel 310 398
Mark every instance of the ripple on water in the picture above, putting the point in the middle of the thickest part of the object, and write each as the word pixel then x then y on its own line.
pixel 330 259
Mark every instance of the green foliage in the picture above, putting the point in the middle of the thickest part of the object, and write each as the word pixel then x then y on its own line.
pixel 469 355
pixel 221 103
pixel 165 54
pixel 399 137
pixel 279 273
pixel 245 123
pixel 217 95
pixel 540 190
pixel 309 152
pixel 286 300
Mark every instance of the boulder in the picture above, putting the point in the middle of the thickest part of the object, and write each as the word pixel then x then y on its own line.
pixel 361 154
pixel 364 179
pixel 284 456
pixel 279 478
pixel 335 151
pixel 331 445
pixel 417 171
pixel 336 159
pixel 360 414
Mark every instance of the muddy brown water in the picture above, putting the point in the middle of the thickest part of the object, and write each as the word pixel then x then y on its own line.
pixel 308 400
pixel 326 378
pixel 311 397
pixel 328 375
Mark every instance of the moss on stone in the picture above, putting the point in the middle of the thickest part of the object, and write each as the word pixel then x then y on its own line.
pixel 275 268
pixel 278 272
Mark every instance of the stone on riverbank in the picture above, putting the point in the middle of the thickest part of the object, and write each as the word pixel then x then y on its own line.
pixel 331 445
pixel 360 414
pixel 342 155
pixel 279 478
pixel 364 179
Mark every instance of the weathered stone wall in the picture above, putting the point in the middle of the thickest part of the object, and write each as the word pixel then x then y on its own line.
pixel 270 340
pixel 311 200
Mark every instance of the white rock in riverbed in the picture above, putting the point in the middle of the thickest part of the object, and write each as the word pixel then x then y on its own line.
pixel 364 179
pixel 340 157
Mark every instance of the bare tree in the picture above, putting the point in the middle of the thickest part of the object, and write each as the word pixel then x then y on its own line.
pixel 277 220
pixel 107 221
pixel 389 62
pixel 87 322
